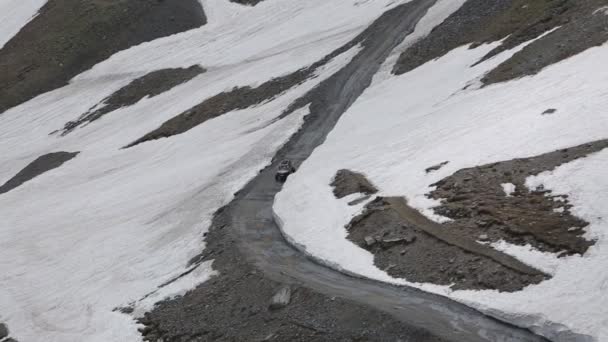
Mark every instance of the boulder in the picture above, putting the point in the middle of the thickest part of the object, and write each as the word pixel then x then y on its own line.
pixel 281 299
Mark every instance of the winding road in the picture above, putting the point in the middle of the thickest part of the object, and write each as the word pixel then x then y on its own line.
pixel 260 238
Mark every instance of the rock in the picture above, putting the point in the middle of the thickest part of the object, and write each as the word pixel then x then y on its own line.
pixel 406 239
pixel 281 299
pixel 549 111
pixel 369 241
pixel 3 331
pixel 359 200
pixel 484 237
pixel 436 167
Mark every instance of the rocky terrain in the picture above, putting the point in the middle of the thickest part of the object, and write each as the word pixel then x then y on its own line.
pixel 69 37
pixel 561 29
pixel 200 184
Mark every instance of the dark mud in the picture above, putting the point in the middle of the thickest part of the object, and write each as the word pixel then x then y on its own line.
pixel 150 85
pixel 515 21
pixel 71 36
pixel 477 203
pixel 348 182
pixel 39 166
pixel 236 306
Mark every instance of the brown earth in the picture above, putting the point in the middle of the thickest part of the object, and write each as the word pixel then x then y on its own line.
pixel 407 251
pixel 68 37
pixel 474 199
pixel 150 85
pixel 408 245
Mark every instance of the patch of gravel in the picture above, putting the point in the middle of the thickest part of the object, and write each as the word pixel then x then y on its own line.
pixel 39 166
pixel 515 21
pixel 348 182
pixel 410 246
pixel 68 37
pixel 476 202
pixel 404 250
pixel 239 305
pixel 407 245
pixel 150 85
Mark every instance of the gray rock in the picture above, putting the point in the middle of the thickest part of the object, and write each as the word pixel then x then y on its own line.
pixel 359 200
pixel 550 111
pixel 281 299
pixel 3 331
pixel 484 237
pixel 370 241
pixel 405 239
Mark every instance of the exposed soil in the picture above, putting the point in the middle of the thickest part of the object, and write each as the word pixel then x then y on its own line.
pixel 476 201
pixel 150 85
pixel 406 244
pixel 515 21
pixel 71 36
pixel 349 182
pixel 236 306
pixel 39 166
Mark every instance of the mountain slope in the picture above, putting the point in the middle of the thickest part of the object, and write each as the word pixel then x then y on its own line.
pixel 453 146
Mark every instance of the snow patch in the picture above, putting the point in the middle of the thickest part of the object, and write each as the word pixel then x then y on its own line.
pixel 508 188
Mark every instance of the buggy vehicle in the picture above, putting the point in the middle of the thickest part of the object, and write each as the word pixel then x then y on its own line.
pixel 284 170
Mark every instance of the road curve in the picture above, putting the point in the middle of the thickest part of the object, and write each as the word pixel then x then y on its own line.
pixel 262 243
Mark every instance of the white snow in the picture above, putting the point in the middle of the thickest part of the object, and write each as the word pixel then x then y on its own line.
pixel 108 227
pixel 15 14
pixel 508 188
pixel 402 125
